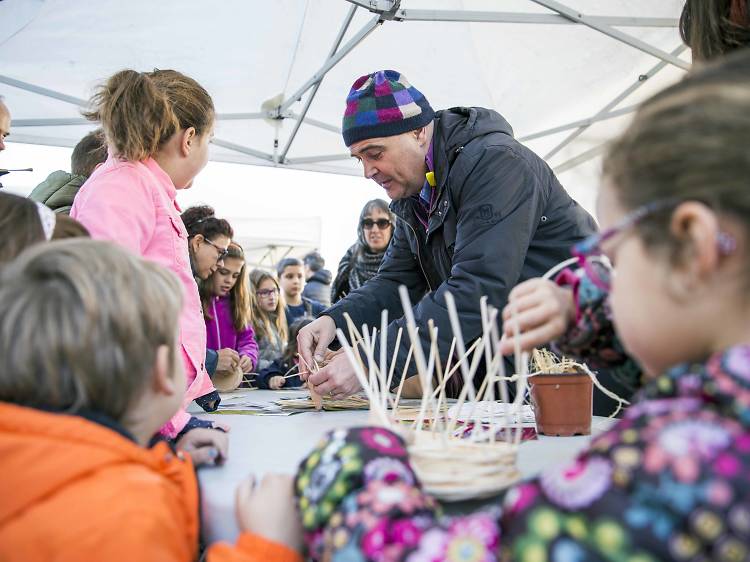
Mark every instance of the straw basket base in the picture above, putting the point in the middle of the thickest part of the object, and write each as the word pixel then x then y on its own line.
pixel 456 470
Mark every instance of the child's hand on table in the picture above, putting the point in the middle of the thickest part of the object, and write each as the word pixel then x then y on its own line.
pixel 246 364
pixel 268 509
pixel 205 446
pixel 275 383
pixel 228 359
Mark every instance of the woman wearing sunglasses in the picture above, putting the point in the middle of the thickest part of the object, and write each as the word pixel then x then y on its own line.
pixel 362 260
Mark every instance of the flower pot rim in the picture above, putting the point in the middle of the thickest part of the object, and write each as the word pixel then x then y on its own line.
pixel 559 378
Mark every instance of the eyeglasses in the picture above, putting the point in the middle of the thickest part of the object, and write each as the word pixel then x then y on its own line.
pixel 222 251
pixel 589 250
pixel 265 293
pixel 367 224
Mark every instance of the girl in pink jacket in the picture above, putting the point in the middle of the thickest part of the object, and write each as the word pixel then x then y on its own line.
pixel 158 126
pixel 226 308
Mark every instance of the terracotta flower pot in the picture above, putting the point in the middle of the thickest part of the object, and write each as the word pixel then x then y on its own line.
pixel 562 404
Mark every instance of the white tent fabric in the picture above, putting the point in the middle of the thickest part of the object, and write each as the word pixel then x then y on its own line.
pixel 543 64
pixel 267 240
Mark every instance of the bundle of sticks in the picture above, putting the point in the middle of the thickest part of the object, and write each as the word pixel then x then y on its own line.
pixel 451 465
pixel 327 403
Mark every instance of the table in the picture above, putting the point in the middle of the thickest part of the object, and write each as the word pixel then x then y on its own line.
pixel 260 444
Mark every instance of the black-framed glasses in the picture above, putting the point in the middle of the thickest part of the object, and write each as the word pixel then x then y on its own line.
pixel 265 293
pixel 222 251
pixel 382 224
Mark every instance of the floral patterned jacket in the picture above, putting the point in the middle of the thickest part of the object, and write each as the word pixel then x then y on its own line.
pixel 592 339
pixel 671 481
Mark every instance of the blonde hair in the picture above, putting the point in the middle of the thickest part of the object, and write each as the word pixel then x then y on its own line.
pixel 140 111
pixel 262 322
pixel 74 335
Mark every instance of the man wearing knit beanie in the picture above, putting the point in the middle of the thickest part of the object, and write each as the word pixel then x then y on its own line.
pixel 479 212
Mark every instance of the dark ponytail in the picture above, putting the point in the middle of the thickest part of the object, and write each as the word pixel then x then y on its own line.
pixel 202 220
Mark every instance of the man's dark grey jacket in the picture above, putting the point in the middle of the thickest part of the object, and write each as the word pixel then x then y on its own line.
pixel 499 217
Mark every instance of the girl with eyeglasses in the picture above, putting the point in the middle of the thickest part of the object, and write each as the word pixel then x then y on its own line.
pixel 208 240
pixel 669 481
pixel 362 260
pixel 268 317
pixel 158 126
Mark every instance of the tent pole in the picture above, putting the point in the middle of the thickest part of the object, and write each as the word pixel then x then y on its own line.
pixel 580 159
pixel 242 149
pixel 42 91
pixel 239 116
pixel 288 114
pixel 580 123
pixel 315 159
pixel 330 63
pixel 61 122
pixel 634 42
pixel 315 123
pixel 469 16
pixel 615 102
pixel 336 44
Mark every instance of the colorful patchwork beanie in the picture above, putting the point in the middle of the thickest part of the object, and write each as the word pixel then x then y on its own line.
pixel 383 104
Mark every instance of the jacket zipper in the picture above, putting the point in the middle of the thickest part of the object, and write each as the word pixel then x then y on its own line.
pixel 419 260
pixel 216 321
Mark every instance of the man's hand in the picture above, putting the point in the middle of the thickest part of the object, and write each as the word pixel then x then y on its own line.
pixel 543 311
pixel 312 342
pixel 246 364
pixel 268 510
pixel 275 383
pixel 228 359
pixel 205 446
pixel 336 379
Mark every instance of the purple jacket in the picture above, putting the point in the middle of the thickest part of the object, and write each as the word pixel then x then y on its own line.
pixel 220 332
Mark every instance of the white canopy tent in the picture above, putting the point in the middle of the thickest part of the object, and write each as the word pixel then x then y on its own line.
pixel 565 75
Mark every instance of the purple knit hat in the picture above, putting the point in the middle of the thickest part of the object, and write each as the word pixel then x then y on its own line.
pixel 383 104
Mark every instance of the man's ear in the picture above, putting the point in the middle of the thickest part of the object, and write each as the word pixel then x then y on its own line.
pixel 421 135
pixel 187 139
pixel 163 373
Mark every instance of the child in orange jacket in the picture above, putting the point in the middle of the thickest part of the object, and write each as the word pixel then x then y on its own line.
pixel 90 372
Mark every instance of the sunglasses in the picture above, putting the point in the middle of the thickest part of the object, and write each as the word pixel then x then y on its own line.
pixel 382 224
pixel 222 251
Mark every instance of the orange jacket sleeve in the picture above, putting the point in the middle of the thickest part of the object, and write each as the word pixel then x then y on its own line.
pixel 252 548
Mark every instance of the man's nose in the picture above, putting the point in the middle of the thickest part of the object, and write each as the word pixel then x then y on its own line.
pixel 370 170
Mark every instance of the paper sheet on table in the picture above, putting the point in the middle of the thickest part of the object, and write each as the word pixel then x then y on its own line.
pixel 487 411
pixel 248 403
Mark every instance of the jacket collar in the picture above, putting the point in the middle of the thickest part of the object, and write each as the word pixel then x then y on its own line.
pixel 162 177
pixel 722 381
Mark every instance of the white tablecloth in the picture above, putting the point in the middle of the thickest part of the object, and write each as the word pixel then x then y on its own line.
pixel 260 444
